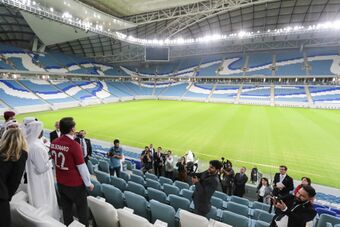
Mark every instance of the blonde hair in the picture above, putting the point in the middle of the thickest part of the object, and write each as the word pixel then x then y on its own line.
pixel 12 144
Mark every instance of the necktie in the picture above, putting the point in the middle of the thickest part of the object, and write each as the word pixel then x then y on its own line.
pixel 83 147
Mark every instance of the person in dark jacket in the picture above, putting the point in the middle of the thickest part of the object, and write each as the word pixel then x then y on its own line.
pixel 13 158
pixel 228 175
pixel 56 133
pixel 295 211
pixel 158 162
pixel 240 181
pixel 85 144
pixel 206 184
pixel 253 175
pixel 283 183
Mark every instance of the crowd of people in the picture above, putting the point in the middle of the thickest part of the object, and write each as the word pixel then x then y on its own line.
pixel 24 149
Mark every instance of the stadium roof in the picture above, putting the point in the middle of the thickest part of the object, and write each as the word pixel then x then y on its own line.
pixel 185 19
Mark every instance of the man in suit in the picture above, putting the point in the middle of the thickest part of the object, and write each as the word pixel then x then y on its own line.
pixel 85 144
pixel 295 211
pixel 283 183
pixel 240 181
pixel 158 162
pixel 56 133
pixel 206 184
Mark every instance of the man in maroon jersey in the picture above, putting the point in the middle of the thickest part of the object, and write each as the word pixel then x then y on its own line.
pixel 72 174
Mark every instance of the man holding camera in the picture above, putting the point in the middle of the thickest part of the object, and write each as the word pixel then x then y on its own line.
pixel 295 211
pixel 206 184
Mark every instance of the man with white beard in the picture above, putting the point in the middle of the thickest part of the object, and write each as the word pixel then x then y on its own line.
pixel 41 190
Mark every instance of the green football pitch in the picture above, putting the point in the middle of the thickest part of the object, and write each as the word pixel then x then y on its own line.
pixel 306 140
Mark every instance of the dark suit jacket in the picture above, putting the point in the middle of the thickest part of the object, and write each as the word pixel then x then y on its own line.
pixel 298 216
pixel 240 184
pixel 287 181
pixel 88 147
pixel 157 161
pixel 204 189
pixel 53 135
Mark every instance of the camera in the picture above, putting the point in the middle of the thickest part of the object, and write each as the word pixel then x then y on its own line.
pixel 277 199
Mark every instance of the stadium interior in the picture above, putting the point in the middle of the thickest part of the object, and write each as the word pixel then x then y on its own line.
pixel 56 55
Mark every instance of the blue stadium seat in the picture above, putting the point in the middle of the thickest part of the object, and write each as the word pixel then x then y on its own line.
pixel 260 206
pixel 93 160
pixel 162 212
pixel 97 190
pixel 259 223
pixel 90 167
pixel 213 214
pixel 238 208
pixel 170 189
pixel 324 218
pixel 103 166
pixel 153 184
pixel 151 176
pixel 216 202
pixel 125 176
pixel 137 203
pixel 118 183
pixel 325 211
pixel 113 196
pixel 186 193
pixel 181 185
pixel 262 215
pixel 157 195
pixel 102 177
pixel 164 180
pixel 137 179
pixel 239 200
pixel 138 172
pixel 234 219
pixel 178 202
pixel 221 195
pixel 136 188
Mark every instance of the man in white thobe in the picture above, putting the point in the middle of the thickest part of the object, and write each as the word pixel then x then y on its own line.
pixel 40 187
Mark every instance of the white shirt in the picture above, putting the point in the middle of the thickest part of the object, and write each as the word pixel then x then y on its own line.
pixel 282 177
pixel 58 133
pixel 262 190
pixel 83 146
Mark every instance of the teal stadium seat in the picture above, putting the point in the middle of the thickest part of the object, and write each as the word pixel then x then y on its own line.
pixel 138 203
pixel 259 223
pixel 262 215
pixel 125 176
pixel 103 166
pixel 153 184
pixel 170 189
pixel 221 195
pixel 239 200
pixel 90 167
pixel 138 172
pixel 186 193
pixel 181 185
pixel 238 208
pixel 118 183
pixel 102 177
pixel 151 176
pixel 178 202
pixel 216 202
pixel 136 188
pixel 113 196
pixel 97 190
pixel 324 218
pixel 234 219
pixel 137 179
pixel 261 206
pixel 158 195
pixel 165 180
pixel 162 212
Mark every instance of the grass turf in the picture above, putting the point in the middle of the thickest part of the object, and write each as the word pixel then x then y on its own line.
pixel 306 140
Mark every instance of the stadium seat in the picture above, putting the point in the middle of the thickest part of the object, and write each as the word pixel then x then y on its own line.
pixel 158 195
pixel 136 188
pixel 221 195
pixel 103 166
pixel 181 185
pixel 178 202
pixel 238 208
pixel 128 219
pixel 90 167
pixel 216 202
pixel 118 183
pixel 324 218
pixel 259 223
pixel 188 219
pixel 113 195
pixel 325 211
pixel 94 160
pixel 213 214
pixel 104 214
pixel 137 203
pixel 162 212
pixel 234 219
pixel 192 187
pixel 125 176
pixel 239 200
pixel 102 177
pixel 186 193
pixel 153 184
pixel 337 211
pixel 137 179
pixel 150 176
pixel 97 190
pixel 260 206
pixel 170 189
pixel 138 172
pixel 165 180
pixel 262 215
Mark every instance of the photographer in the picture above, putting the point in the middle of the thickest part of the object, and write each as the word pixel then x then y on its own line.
pixel 228 175
pixel 206 184
pixel 115 154
pixel 146 159
pixel 158 161
pixel 182 169
pixel 295 211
